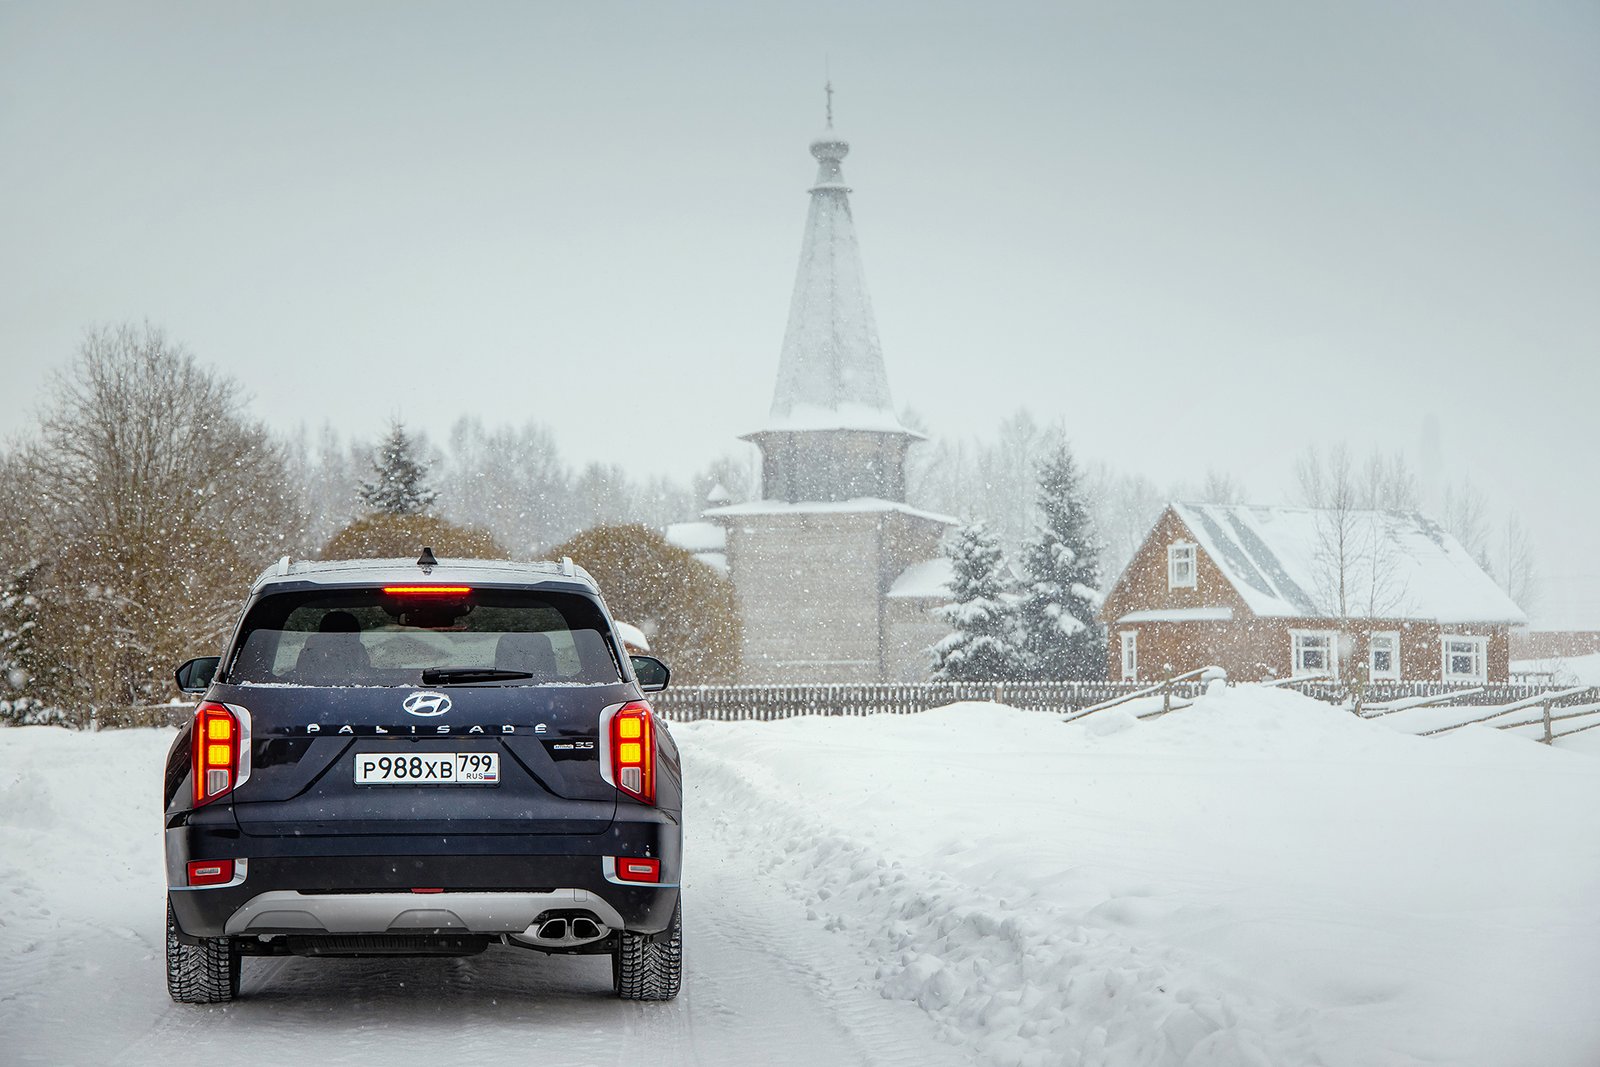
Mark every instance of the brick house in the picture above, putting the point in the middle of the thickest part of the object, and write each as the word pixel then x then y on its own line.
pixel 1255 590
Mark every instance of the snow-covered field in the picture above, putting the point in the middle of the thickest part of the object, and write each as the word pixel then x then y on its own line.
pixel 1258 879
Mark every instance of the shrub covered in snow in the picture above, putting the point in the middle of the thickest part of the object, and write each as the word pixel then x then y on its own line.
pixel 388 535
pixel 688 611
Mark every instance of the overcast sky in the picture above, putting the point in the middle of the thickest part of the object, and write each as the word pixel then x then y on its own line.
pixel 1205 235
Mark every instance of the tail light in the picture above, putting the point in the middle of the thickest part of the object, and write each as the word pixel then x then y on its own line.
pixel 221 751
pixel 633 751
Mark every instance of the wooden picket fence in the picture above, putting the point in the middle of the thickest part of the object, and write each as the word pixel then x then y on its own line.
pixel 767 703
pixel 764 703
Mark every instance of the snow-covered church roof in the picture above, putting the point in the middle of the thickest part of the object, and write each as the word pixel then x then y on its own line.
pixel 831 374
pixel 1400 565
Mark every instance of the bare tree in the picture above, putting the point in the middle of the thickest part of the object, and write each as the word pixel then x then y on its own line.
pixel 511 481
pixel 157 500
pixel 1388 483
pixel 1221 487
pixel 1125 507
pixel 1356 556
pixel 1520 571
pixel 1466 516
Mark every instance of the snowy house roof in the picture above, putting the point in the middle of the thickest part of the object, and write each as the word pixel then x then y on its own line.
pixel 928 580
pixel 1400 565
pixel 831 374
pixel 858 506
pixel 707 541
pixel 698 536
pixel 632 636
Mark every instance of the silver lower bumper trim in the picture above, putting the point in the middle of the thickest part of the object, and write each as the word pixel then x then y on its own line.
pixel 381 913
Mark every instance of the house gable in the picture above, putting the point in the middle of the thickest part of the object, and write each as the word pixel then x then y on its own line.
pixel 1143 586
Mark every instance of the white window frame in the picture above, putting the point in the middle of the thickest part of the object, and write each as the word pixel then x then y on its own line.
pixel 1480 655
pixel 1297 647
pixel 1130 655
pixel 1175 552
pixel 1391 638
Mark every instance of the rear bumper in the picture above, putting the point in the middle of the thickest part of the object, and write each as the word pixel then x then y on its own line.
pixel 363 884
pixel 285 911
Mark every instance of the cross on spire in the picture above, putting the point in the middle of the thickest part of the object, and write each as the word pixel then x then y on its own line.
pixel 828 88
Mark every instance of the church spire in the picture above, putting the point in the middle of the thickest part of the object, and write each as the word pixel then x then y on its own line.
pixel 831 368
pixel 832 433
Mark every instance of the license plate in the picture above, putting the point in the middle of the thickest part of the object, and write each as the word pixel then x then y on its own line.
pixel 428 768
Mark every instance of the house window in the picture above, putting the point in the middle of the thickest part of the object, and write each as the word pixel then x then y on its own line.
pixel 1315 652
pixel 1383 656
pixel 1466 659
pixel 1130 655
pixel 1180 566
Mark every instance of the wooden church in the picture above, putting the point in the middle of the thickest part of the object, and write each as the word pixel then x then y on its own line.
pixel 836 574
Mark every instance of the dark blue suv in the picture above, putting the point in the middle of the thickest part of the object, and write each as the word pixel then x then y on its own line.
pixel 423 759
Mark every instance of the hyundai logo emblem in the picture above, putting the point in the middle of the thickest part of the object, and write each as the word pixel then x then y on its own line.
pixel 426 703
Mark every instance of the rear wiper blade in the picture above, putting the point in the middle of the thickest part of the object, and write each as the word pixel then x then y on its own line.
pixel 441 675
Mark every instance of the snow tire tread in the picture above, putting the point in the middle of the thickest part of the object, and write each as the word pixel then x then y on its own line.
pixel 207 973
pixel 647 968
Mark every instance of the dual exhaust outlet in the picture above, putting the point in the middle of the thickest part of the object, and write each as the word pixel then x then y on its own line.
pixel 564 931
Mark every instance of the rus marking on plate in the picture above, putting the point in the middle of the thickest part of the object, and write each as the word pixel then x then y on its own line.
pixel 426 703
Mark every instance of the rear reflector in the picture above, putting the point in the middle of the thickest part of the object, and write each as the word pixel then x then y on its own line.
pixel 414 890
pixel 427 590
pixel 210 872
pixel 645 870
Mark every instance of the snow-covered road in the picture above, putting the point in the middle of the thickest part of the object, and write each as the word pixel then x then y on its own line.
pixel 1257 880
pixel 81 981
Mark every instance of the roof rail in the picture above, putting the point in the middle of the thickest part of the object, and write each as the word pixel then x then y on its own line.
pixel 567 567
pixel 283 567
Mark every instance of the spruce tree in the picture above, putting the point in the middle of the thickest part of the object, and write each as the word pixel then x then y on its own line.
pixel 1061 638
pixel 398 488
pixel 984 645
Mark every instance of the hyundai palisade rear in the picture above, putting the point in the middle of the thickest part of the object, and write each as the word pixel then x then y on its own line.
pixel 423 759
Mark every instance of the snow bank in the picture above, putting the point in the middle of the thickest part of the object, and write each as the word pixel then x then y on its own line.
pixel 1257 879
pixel 1563 670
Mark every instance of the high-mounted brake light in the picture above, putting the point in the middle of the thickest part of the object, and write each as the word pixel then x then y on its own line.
pixel 218 733
pixel 633 751
pixel 427 590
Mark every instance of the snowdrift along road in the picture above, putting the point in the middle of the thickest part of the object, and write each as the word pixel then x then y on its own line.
pixel 1258 879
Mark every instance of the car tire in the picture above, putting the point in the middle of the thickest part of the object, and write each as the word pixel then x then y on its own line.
pixel 207 973
pixel 649 968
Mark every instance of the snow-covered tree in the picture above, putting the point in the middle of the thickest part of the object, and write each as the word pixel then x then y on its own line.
pixel 1061 638
pixel 398 487
pixel 985 644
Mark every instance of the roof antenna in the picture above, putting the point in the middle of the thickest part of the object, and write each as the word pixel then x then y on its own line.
pixel 427 561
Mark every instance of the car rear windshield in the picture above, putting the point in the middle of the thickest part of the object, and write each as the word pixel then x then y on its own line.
pixel 370 637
